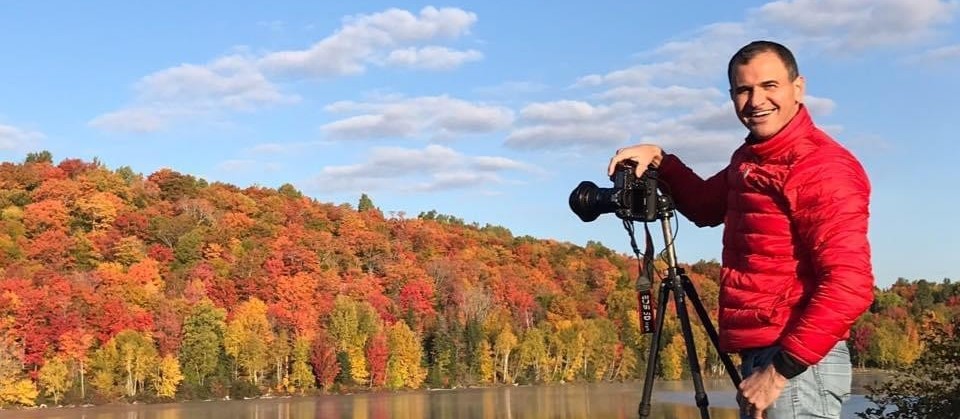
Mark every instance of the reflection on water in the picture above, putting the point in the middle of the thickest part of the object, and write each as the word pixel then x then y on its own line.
pixel 671 400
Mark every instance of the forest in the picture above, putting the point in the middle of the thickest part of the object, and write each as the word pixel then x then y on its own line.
pixel 115 286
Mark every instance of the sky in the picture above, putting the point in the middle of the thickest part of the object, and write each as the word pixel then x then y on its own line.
pixel 488 111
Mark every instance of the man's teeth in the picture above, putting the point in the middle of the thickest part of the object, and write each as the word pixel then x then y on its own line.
pixel 761 113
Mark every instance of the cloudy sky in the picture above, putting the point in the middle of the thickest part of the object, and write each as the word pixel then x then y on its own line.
pixel 489 112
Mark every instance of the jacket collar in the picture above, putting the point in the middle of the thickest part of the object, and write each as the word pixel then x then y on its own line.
pixel 798 127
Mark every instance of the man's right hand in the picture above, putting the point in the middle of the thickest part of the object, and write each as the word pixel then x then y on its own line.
pixel 643 155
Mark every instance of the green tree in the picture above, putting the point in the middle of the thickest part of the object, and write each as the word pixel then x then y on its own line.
pixel 202 344
pixel 301 376
pixel 365 203
pixel 350 325
pixel 39 157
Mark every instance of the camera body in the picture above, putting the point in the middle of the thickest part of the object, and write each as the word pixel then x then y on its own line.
pixel 631 198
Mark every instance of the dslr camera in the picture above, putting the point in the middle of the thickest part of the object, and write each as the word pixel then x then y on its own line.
pixel 631 198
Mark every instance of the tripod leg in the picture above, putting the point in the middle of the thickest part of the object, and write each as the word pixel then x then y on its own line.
pixel 695 373
pixel 653 354
pixel 711 331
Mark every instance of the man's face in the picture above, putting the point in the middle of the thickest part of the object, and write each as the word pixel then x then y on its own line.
pixel 764 96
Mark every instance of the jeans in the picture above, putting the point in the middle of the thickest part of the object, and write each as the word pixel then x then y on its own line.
pixel 817 393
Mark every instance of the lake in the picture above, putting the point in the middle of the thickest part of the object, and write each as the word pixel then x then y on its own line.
pixel 671 399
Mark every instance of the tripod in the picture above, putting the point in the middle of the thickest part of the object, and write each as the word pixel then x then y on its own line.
pixel 683 291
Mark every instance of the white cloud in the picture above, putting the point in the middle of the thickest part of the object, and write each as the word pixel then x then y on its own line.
pixel 565 111
pixel 432 168
pixel 12 138
pixel 190 91
pixel 569 124
pixel 858 24
pixel 703 57
pixel 243 82
pixel 566 136
pixel 819 106
pixel 436 117
pixel 939 55
pixel 663 97
pixel 432 58
pixel 133 120
pixel 364 39
pixel 511 88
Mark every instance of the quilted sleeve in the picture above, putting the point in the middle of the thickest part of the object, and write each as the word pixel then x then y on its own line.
pixel 702 201
pixel 829 195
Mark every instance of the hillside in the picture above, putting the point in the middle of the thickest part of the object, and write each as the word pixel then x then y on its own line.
pixel 119 286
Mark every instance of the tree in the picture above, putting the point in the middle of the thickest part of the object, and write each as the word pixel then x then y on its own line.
pixel 350 325
pixel 55 378
pixel 504 344
pixel 301 376
pixel 203 333
pixel 248 337
pixel 323 358
pixel 378 353
pixel 124 363
pixel 927 389
pixel 365 203
pixel 403 365
pixel 167 377
pixel 13 388
pixel 43 156
pixel 75 344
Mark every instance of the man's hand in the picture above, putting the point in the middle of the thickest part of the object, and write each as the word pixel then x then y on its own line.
pixel 761 389
pixel 643 154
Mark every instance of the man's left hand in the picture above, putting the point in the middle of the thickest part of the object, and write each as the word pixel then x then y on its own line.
pixel 762 388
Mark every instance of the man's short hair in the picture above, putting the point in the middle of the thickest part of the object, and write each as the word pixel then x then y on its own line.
pixel 751 50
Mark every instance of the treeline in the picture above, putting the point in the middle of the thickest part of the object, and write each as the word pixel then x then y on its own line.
pixel 119 286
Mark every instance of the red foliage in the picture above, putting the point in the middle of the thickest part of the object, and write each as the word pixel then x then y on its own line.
pixel 160 253
pixel 297 304
pixel 132 224
pixel 115 316
pixel 323 358
pixel 377 354
pixel 74 167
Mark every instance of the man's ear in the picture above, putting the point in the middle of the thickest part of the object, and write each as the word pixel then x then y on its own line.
pixel 799 88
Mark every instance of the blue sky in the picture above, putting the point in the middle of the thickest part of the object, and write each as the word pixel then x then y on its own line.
pixel 488 111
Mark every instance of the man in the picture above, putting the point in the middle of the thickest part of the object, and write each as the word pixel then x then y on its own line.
pixel 796 262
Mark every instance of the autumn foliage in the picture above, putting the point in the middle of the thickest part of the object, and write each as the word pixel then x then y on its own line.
pixel 119 286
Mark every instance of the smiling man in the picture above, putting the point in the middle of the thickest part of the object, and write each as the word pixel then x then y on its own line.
pixel 796 270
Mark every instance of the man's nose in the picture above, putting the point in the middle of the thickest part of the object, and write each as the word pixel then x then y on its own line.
pixel 757 98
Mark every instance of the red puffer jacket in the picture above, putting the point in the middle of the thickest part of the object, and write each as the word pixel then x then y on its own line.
pixel 796 261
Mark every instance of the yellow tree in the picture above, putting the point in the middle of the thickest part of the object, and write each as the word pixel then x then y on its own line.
pixel 167 377
pixel 403 365
pixel 503 345
pixel 248 338
pixel 13 388
pixel 351 324
pixel 671 358
pixel 534 355
pixel 55 378
pixel 301 376
pixel 124 363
